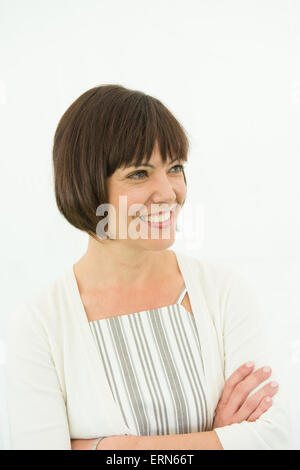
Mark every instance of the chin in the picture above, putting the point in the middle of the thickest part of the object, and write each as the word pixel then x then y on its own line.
pixel 156 245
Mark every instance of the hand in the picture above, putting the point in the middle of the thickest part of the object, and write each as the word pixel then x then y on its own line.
pixel 234 407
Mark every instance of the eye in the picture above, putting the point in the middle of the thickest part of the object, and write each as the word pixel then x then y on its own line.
pixel 178 166
pixel 141 172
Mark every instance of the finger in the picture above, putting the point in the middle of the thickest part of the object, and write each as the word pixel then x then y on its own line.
pixel 252 403
pixel 233 380
pixel 262 408
pixel 242 389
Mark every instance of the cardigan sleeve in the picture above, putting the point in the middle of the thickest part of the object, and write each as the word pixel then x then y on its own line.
pixel 36 407
pixel 245 338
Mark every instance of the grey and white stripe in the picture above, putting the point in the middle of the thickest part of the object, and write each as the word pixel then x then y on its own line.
pixel 153 363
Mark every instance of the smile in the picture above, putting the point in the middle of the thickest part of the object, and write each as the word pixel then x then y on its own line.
pixel 159 221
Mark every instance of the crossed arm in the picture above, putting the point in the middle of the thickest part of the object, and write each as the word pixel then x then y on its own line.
pixel 233 407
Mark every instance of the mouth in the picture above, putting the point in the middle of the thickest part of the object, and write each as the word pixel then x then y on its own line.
pixel 159 221
pixel 158 216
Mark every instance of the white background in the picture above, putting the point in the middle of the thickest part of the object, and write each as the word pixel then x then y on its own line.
pixel 230 72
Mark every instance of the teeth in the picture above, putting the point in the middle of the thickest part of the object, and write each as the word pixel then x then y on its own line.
pixel 157 218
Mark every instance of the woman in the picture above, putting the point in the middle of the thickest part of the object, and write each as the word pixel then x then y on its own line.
pixel 136 346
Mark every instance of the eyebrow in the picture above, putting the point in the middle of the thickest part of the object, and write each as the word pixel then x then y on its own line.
pixel 152 166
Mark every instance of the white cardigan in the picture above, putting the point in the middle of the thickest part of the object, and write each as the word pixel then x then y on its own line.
pixel 56 386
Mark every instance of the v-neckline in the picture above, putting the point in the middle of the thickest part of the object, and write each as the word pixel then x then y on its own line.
pixel 93 355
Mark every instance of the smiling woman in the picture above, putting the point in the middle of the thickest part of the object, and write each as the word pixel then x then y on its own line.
pixel 110 128
pixel 135 343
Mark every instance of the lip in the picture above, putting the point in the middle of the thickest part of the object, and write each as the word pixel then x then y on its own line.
pixel 160 212
pixel 164 224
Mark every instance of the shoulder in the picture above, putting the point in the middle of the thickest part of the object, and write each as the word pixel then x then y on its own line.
pixel 227 292
pixel 208 271
pixel 42 307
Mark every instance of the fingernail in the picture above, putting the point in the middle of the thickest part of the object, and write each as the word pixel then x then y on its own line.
pixel 274 384
pixel 249 364
pixel 267 369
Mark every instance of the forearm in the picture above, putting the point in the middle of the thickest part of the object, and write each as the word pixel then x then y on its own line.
pixel 118 442
pixel 82 444
pixel 195 441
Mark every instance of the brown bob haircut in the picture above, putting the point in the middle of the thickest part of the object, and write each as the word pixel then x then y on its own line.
pixel 106 128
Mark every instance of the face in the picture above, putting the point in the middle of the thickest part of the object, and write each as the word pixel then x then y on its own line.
pixel 149 190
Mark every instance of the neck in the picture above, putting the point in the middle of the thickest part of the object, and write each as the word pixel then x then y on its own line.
pixel 116 264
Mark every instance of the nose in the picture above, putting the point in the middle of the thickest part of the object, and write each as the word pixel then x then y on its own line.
pixel 163 190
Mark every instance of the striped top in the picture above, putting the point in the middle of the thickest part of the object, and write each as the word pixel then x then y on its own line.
pixel 153 363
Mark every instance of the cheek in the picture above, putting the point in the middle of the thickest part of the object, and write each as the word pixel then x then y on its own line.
pixel 136 200
pixel 180 191
pixel 139 197
pixel 183 189
pixel 122 203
